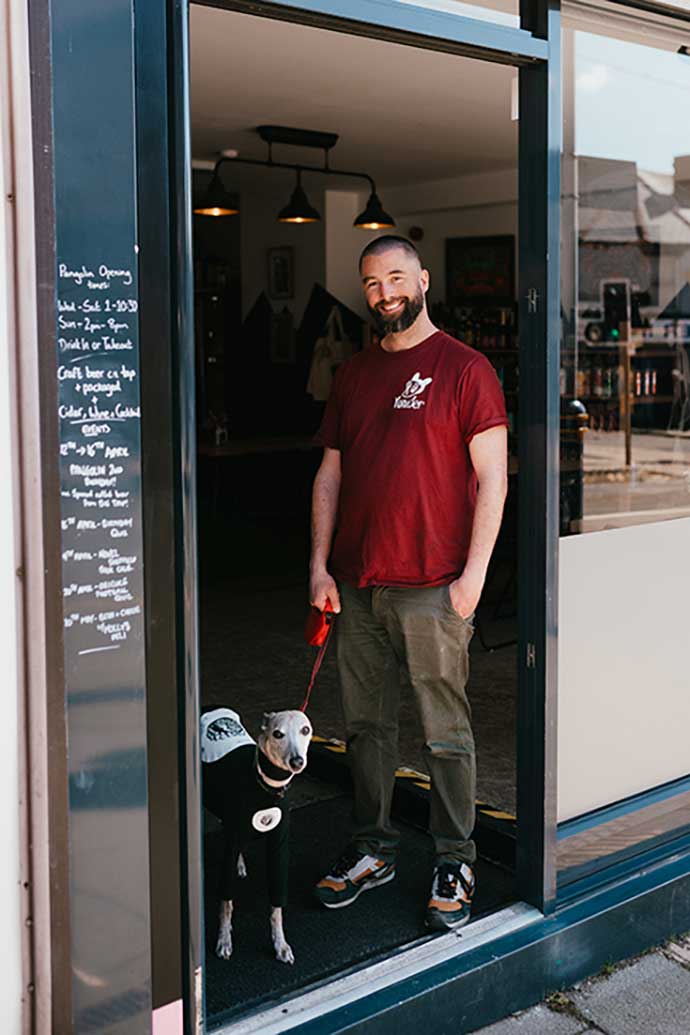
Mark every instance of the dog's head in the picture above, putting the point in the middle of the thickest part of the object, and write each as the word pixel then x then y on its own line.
pixel 284 739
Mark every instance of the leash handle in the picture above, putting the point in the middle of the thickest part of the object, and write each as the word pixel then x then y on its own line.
pixel 317 664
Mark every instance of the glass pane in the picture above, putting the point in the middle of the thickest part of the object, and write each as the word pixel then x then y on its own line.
pixel 625 377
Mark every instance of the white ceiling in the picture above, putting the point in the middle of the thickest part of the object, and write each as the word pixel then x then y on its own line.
pixel 404 115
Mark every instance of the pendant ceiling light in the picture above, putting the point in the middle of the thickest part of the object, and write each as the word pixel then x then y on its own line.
pixel 216 200
pixel 374 217
pixel 298 208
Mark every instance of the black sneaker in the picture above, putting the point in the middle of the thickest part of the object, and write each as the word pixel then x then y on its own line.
pixel 352 874
pixel 451 897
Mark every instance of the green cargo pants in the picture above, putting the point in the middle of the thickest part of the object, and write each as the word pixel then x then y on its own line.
pixel 385 634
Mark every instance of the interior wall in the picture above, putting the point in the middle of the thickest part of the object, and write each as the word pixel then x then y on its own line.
pixel 260 231
pixel 623 663
pixel 469 206
pixel 344 244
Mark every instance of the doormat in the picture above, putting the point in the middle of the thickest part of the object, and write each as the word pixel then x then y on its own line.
pixel 325 942
pixel 495 830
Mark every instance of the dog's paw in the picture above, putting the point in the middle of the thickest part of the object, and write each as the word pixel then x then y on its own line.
pixel 284 953
pixel 224 946
pixel 241 866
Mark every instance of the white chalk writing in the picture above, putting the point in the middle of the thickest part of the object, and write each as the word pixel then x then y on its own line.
pixel 99 414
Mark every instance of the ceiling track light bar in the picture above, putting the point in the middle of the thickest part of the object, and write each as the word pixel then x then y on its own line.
pixel 298 210
pixel 270 163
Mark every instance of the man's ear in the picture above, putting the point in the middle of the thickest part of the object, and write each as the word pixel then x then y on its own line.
pixel 424 278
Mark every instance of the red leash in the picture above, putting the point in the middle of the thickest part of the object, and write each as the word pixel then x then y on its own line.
pixel 318 631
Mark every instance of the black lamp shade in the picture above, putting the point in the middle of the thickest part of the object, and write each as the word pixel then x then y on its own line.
pixel 216 200
pixel 298 209
pixel 374 217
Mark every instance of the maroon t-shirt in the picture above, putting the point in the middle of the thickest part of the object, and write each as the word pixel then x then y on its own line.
pixel 403 422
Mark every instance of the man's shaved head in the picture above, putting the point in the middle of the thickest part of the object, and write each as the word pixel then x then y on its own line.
pixel 386 243
pixel 394 283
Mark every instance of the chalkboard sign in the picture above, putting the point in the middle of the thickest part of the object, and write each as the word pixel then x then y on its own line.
pixel 97 376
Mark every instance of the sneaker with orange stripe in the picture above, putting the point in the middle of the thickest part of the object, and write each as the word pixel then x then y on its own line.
pixel 451 896
pixel 353 873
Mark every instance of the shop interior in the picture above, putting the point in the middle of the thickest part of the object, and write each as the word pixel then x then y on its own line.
pixel 429 145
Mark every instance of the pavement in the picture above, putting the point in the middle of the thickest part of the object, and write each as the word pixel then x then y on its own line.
pixel 648 995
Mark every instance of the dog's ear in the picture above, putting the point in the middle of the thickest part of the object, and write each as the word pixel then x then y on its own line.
pixel 266 720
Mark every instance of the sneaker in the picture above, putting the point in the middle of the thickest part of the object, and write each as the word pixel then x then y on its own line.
pixel 352 874
pixel 451 896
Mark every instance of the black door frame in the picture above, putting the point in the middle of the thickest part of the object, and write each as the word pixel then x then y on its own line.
pixel 165 158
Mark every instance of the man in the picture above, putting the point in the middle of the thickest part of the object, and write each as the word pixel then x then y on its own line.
pixel 414 475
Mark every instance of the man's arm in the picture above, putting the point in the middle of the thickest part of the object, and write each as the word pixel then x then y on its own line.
pixel 489 456
pixel 324 511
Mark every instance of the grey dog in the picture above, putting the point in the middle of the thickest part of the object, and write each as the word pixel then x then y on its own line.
pixel 244 785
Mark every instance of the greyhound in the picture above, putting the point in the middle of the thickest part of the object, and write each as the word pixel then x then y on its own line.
pixel 244 785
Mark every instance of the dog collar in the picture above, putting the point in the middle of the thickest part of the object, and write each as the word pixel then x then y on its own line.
pixel 269 783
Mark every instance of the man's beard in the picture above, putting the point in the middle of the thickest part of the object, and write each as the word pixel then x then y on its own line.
pixel 402 320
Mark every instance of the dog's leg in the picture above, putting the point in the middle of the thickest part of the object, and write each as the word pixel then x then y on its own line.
pixel 227 892
pixel 224 943
pixel 277 860
pixel 241 866
pixel 282 949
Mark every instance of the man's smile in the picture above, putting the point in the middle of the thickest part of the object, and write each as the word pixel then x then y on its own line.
pixel 391 308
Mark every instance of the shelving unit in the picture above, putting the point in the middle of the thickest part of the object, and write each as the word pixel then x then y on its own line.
pixel 635 376
pixel 639 383
pixel 492 330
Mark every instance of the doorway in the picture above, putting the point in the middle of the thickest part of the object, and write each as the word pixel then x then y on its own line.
pixel 270 298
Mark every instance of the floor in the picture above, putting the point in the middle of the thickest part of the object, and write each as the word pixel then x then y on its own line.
pixel 253 603
pixel 325 942
pixel 254 659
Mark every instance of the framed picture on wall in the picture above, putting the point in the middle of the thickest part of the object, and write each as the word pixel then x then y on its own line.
pixel 281 273
pixel 480 270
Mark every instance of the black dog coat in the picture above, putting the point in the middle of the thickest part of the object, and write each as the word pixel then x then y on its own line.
pixel 247 807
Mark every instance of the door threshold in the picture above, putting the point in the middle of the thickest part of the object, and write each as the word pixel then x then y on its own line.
pixel 402 965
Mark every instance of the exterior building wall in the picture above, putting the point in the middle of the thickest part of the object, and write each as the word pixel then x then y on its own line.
pixel 11 945
pixel 622 724
pixel 586 607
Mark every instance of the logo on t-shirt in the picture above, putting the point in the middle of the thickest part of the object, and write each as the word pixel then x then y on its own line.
pixel 409 400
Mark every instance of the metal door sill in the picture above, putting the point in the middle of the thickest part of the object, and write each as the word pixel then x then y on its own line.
pixel 401 966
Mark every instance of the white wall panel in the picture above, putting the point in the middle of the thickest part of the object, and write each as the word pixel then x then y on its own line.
pixel 624 663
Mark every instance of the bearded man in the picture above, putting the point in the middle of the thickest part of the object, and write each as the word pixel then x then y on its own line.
pixel 409 496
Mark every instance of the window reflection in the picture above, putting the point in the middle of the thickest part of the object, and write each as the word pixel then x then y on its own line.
pixel 625 375
pixel 500 12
